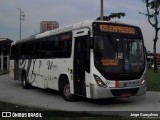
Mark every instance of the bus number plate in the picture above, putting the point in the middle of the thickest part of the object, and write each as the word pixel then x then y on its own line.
pixel 126 94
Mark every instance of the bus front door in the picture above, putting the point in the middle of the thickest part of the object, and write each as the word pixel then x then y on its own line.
pixel 79 66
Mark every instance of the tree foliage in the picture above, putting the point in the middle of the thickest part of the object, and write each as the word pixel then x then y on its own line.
pixel 153 16
pixel 112 16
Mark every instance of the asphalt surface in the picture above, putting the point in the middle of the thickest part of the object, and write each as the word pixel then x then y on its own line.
pixel 11 91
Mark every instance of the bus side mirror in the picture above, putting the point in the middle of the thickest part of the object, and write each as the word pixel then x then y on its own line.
pixel 145 50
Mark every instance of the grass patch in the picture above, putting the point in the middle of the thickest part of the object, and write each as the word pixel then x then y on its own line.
pixel 153 83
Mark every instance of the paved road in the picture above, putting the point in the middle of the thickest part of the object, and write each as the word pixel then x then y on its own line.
pixel 12 91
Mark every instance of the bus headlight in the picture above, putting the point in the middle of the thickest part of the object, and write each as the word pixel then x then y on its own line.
pixel 143 82
pixel 99 81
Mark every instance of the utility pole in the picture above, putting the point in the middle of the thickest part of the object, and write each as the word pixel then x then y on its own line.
pixel 21 18
pixel 101 17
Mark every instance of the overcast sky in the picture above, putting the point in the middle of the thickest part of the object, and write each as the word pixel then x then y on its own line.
pixel 68 12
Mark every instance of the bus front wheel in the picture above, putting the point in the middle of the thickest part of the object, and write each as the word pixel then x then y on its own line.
pixel 65 91
pixel 25 84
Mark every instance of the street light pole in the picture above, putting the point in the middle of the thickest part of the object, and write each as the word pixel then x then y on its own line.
pixel 101 17
pixel 21 17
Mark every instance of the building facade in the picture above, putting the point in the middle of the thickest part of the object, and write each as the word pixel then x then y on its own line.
pixel 48 25
pixel 5 45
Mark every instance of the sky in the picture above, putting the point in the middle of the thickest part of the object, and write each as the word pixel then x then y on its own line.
pixel 68 12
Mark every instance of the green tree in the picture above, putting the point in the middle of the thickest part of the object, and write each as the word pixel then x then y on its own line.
pixel 153 16
pixel 112 16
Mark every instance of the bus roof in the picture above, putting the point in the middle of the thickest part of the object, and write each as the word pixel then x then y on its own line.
pixel 79 25
pixel 66 29
pixel 84 24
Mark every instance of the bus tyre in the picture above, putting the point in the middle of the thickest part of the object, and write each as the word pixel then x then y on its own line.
pixel 25 84
pixel 65 91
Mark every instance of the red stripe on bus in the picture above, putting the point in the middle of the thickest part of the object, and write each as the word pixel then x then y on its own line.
pixel 117 84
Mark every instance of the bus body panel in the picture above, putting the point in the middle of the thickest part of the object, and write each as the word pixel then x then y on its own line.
pixel 45 73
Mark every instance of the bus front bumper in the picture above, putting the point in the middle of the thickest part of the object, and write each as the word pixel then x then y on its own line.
pixel 98 92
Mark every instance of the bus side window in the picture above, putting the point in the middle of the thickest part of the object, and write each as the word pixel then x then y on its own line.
pixel 52 47
pixel 65 45
pixel 37 49
pixel 65 48
pixel 43 48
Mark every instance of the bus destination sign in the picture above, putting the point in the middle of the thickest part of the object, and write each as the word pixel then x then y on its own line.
pixel 117 29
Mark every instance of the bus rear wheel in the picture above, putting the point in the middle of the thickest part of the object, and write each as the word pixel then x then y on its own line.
pixel 25 84
pixel 65 91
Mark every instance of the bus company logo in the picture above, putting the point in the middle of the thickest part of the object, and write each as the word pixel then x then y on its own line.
pixel 126 66
pixel 6 114
pixel 20 115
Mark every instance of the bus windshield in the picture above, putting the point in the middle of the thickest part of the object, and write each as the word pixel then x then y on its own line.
pixel 119 57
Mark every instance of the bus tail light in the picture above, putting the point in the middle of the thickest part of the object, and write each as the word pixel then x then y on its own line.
pixel 99 81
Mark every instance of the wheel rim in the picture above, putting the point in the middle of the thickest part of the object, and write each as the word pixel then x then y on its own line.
pixel 67 92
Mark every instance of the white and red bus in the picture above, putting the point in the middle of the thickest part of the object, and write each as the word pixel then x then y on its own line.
pixel 93 59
